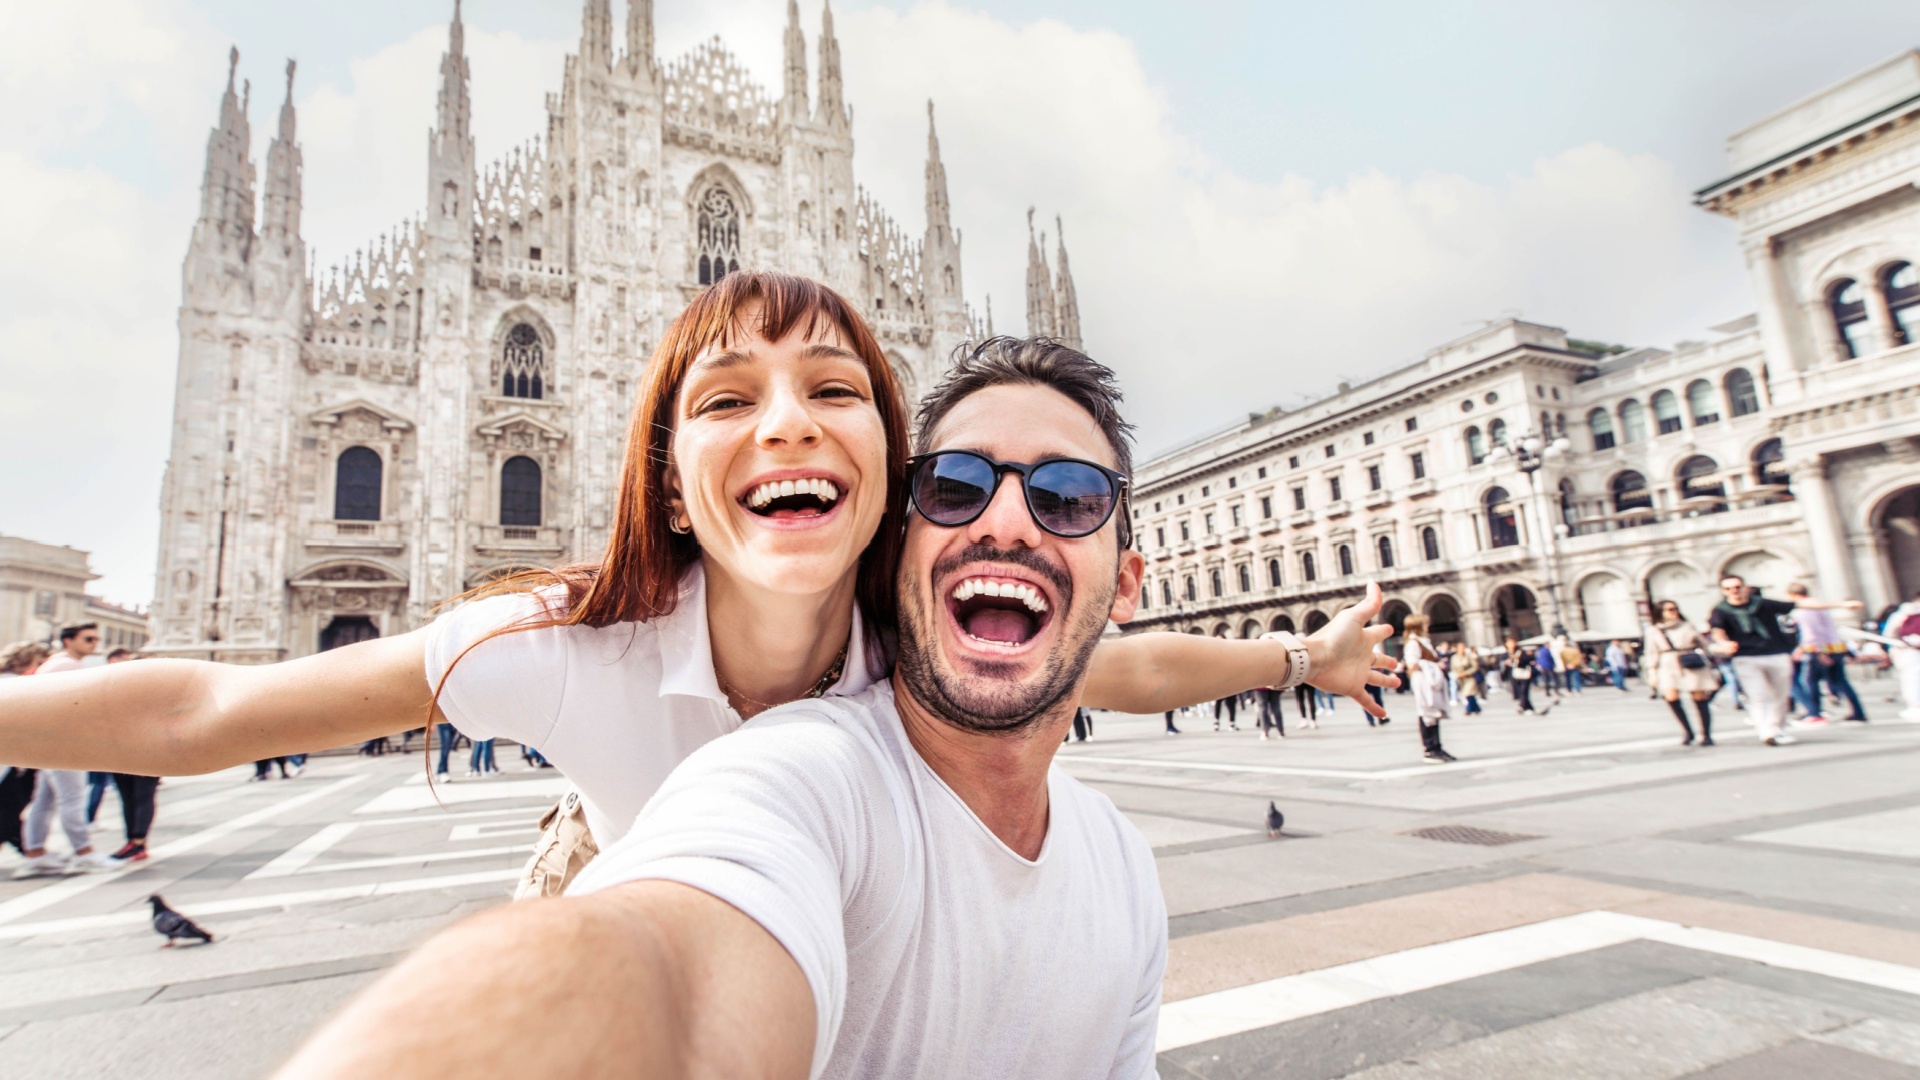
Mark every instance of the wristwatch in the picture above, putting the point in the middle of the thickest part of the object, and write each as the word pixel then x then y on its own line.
pixel 1296 657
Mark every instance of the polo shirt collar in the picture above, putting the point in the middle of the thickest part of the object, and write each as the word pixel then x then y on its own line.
pixel 686 649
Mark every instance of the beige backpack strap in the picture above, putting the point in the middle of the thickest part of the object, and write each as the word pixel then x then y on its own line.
pixel 565 847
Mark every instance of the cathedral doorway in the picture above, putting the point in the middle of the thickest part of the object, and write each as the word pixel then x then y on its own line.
pixel 347 630
pixel 1515 612
pixel 1896 525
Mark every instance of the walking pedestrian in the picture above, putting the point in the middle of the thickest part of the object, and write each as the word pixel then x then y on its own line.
pixel 1762 642
pixel 1903 626
pixel 1677 653
pixel 1082 724
pixel 1546 668
pixel 1466 673
pixel 1229 701
pixel 1573 663
pixel 1308 703
pixel 136 794
pixel 263 769
pixel 448 736
pixel 1617 665
pixel 1823 659
pixel 16 784
pixel 1171 730
pixel 480 762
pixel 1273 714
pixel 62 792
pixel 1429 682
pixel 1520 672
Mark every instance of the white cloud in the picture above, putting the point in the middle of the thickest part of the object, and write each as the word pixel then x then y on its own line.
pixel 1211 292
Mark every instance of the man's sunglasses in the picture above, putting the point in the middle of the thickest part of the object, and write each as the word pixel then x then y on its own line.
pixel 1066 496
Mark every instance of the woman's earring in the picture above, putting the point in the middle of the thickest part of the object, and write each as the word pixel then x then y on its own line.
pixel 674 524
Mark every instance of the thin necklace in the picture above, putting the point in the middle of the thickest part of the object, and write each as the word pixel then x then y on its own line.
pixel 820 686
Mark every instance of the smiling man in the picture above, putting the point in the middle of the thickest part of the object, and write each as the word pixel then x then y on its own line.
pixel 896 883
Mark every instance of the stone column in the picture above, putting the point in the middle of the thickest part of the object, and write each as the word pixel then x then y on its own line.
pixel 1879 317
pixel 1776 301
pixel 1832 561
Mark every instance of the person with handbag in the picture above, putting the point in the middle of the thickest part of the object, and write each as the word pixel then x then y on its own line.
pixel 1677 654
pixel 1429 681
pixel 1521 670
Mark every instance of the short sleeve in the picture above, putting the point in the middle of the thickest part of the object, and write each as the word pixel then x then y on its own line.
pixel 507 686
pixel 776 821
pixel 1717 620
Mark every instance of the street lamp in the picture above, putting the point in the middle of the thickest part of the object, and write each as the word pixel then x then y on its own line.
pixel 1528 453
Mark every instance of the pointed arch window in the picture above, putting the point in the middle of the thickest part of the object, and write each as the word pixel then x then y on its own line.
pixel 356 485
pixel 718 235
pixel 1602 424
pixel 1742 398
pixel 1847 301
pixel 523 364
pixel 1502 529
pixel 520 492
pixel 1900 284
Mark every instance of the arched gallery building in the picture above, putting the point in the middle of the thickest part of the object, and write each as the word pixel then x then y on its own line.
pixel 1787 448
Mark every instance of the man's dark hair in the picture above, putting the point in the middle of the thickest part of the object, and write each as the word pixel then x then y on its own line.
pixel 68 633
pixel 118 653
pixel 1038 361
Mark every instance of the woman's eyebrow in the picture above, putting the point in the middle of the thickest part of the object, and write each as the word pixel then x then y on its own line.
pixel 730 358
pixel 821 350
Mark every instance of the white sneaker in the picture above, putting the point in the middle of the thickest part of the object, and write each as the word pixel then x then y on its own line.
pixel 296 770
pixel 443 778
pixel 93 862
pixel 46 865
pixel 1782 739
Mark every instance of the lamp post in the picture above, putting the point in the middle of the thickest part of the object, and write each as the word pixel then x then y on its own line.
pixel 1528 454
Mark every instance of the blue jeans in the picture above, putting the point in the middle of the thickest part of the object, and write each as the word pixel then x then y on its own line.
pixel 446 734
pixel 482 759
pixel 1619 677
pixel 96 790
pixel 1575 681
pixel 1831 668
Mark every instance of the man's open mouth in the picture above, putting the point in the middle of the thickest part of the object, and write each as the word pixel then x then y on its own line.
pixel 785 500
pixel 997 611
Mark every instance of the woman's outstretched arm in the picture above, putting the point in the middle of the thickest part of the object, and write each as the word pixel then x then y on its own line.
pixel 1150 673
pixel 178 717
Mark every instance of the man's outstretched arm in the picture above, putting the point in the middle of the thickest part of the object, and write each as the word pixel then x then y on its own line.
pixel 648 979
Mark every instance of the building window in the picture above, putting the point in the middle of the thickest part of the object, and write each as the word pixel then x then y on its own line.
pixel 1413 423
pixel 1848 303
pixel 1373 478
pixel 1205 490
pixel 1743 399
pixel 1770 467
pixel 1191 595
pixel 1246 578
pixel 1234 510
pixel 1701 403
pixel 1293 462
pixel 1232 482
pixel 1419 463
pixel 1156 506
pixel 1160 536
pixel 1184 534
pixel 1633 422
pixel 1299 498
pixel 1601 422
pixel 1209 524
pixel 1666 412
pixel 1701 491
pixel 1213 578
pixel 1497 433
pixel 1333 487
pixel 1306 566
pixel 1430 543
pixel 520 492
pixel 1266 507
pixel 1273 573
pixel 1329 449
pixel 523 364
pixel 1180 499
pixel 1476 445
pixel 1263 472
pixel 718 235
pixel 1166 593
pixel 1502 531
pixel 1367 438
pixel 1900 284
pixel 1630 492
pixel 1346 561
pixel 356 485
pixel 1386 553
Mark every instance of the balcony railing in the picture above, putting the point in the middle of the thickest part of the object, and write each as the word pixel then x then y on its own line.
pixel 366 537
pixel 529 541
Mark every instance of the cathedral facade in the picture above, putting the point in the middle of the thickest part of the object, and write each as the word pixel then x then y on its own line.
pixel 352 449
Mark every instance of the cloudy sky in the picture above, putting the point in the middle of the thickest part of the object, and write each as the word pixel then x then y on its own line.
pixel 1261 197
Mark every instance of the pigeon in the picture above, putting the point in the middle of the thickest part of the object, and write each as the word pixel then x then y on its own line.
pixel 1275 819
pixel 173 925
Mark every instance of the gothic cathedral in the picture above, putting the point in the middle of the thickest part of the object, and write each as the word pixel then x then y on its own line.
pixel 352 449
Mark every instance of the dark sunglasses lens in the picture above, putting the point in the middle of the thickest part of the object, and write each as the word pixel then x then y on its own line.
pixel 1069 497
pixel 953 488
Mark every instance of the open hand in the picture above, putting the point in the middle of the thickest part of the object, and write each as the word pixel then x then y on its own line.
pixel 1346 656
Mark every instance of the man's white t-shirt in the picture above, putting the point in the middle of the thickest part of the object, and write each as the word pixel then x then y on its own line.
pixel 932 949
pixel 614 708
pixel 58 662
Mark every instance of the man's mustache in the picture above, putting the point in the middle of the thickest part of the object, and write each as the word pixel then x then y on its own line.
pixel 1024 558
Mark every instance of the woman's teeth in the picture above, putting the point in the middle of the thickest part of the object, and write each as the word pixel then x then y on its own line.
pixel 1026 594
pixel 824 490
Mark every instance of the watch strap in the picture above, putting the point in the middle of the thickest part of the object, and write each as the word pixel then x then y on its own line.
pixel 1297 657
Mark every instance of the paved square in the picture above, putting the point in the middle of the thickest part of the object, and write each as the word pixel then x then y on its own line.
pixel 1738 911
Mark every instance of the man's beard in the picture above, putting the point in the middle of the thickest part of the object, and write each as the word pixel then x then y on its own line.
pixel 992 701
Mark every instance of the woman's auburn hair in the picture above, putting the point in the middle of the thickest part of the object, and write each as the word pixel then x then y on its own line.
pixel 638 577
